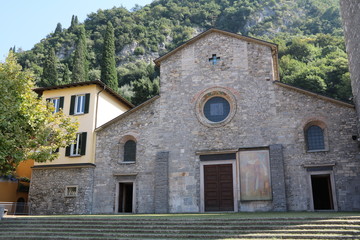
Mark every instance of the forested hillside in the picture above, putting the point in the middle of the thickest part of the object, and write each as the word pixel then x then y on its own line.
pixel 308 32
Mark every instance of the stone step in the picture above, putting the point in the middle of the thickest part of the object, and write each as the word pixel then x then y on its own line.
pixel 182 218
pixel 178 230
pixel 170 226
pixel 72 235
pixel 135 227
pixel 184 221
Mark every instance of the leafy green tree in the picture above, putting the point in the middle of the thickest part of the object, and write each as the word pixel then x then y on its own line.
pixel 49 76
pixel 144 89
pixel 126 91
pixel 307 36
pixel 80 62
pixel 108 66
pixel 301 50
pixel 28 128
pixel 95 74
pixel 344 88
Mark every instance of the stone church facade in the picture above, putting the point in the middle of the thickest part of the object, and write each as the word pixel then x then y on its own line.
pixel 225 135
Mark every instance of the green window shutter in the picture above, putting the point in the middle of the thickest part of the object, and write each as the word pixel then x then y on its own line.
pixel 87 103
pixel 72 105
pixel 67 151
pixel 61 104
pixel 83 143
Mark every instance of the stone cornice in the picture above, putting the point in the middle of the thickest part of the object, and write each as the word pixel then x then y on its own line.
pixel 70 165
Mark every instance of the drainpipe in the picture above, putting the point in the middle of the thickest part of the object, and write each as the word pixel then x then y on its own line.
pixel 94 146
pixel 97 105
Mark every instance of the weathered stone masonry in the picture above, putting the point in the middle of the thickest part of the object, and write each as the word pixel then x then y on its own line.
pixel 53 182
pixel 267 114
pixel 350 15
pixel 350 12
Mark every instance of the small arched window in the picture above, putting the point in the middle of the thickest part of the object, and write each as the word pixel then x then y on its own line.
pixel 130 151
pixel 315 138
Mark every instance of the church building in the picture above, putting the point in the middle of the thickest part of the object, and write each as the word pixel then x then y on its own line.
pixel 224 134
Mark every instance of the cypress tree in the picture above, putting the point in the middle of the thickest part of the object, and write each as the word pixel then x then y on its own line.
pixel 74 23
pixel 80 63
pixel 66 75
pixel 108 65
pixel 49 76
pixel 12 49
pixel 58 28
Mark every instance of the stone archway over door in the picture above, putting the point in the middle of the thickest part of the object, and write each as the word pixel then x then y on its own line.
pixel 218 187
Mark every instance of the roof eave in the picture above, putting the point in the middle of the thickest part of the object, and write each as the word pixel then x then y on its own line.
pixel 79 84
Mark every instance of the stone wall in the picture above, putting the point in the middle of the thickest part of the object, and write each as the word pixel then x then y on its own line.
pixel 47 191
pixel 161 183
pixel 294 111
pixel 142 126
pixel 350 12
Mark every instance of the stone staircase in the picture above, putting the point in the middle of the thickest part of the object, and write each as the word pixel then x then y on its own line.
pixel 164 227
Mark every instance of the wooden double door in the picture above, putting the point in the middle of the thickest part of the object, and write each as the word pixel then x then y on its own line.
pixel 218 187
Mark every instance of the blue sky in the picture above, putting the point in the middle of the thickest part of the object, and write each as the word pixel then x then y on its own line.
pixel 24 23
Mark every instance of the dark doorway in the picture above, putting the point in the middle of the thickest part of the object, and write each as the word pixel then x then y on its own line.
pixel 20 206
pixel 125 197
pixel 218 187
pixel 322 192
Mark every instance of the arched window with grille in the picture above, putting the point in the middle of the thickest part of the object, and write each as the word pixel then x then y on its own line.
pixel 130 151
pixel 315 138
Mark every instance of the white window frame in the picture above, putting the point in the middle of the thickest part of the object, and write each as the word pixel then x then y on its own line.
pixel 79 107
pixel 71 193
pixel 56 102
pixel 75 149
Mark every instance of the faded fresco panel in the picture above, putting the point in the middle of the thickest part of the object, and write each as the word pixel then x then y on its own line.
pixel 255 175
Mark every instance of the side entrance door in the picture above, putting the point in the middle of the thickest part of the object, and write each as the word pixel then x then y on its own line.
pixel 218 187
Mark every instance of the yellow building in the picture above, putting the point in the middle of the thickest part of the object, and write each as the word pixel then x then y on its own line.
pixel 14 191
pixel 92 104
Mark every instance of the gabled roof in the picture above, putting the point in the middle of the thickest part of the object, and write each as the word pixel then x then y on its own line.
pixel 214 30
pixel 79 84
